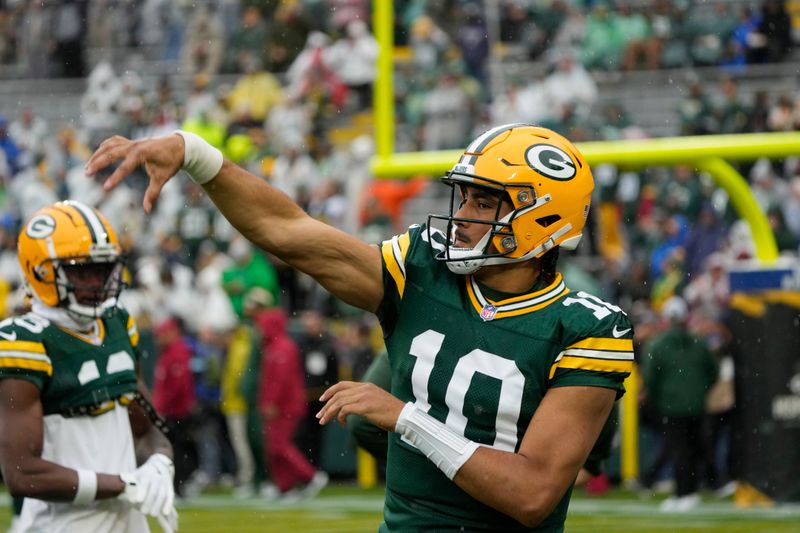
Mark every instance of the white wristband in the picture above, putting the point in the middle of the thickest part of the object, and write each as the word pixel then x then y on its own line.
pixel 87 487
pixel 200 160
pixel 444 447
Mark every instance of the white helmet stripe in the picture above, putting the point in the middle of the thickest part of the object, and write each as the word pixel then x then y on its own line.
pixel 98 230
pixel 51 247
pixel 480 143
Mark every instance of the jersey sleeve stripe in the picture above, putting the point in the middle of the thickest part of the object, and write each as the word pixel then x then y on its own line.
pixel 25 355
pixel 392 267
pixel 134 336
pixel 400 248
pixel 25 363
pixel 22 346
pixel 597 354
pixel 394 253
pixel 611 345
pixel 133 331
pixel 595 365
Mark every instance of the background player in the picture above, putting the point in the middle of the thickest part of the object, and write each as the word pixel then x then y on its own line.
pixel 73 421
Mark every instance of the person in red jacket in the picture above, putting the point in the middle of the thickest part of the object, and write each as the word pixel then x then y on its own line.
pixel 173 394
pixel 282 402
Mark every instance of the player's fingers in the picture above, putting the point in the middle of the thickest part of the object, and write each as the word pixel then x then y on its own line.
pixel 342 404
pixel 152 192
pixel 158 501
pixel 163 522
pixel 330 409
pixel 110 151
pixel 169 500
pixel 341 417
pixel 322 415
pixel 122 171
pixel 152 499
pixel 333 389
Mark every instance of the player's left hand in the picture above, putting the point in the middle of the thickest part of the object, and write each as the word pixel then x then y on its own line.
pixel 365 399
pixel 150 488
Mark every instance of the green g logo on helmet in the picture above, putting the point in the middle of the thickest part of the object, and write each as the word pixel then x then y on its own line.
pixel 550 161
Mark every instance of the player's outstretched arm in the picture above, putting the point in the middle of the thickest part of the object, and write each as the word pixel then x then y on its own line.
pixel 21 440
pixel 344 265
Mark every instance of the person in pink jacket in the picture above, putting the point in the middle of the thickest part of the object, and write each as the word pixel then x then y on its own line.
pixel 282 402
pixel 173 395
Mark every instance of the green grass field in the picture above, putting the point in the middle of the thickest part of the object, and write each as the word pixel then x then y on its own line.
pixel 348 509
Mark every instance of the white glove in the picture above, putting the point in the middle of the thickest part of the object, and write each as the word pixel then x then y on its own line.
pixel 168 522
pixel 149 488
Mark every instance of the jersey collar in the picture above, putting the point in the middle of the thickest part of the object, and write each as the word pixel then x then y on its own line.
pixel 488 309
pixel 96 334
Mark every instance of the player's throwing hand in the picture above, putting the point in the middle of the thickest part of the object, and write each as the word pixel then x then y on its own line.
pixel 161 157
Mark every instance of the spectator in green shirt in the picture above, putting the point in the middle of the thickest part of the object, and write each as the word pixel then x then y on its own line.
pixel 678 370
pixel 250 269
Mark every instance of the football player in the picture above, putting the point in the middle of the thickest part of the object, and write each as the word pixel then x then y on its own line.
pixel 74 418
pixel 502 377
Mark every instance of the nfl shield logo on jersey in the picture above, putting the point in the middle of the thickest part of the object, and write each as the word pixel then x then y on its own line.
pixel 488 312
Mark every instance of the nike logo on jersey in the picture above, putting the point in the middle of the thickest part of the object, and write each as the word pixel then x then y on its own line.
pixel 619 332
pixel 9 336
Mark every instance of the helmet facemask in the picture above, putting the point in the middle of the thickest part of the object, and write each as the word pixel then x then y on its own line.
pixel 88 286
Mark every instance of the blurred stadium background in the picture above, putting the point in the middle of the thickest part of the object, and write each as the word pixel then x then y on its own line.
pixel 287 89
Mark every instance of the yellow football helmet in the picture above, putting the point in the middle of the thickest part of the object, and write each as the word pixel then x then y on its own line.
pixel 71 258
pixel 543 176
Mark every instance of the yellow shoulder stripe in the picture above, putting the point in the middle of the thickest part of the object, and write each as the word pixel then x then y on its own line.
pixel 26 364
pixel 596 365
pixel 21 346
pixel 394 253
pixel 597 343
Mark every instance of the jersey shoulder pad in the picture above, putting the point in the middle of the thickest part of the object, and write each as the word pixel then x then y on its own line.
pixel 128 322
pixel 598 335
pixel 22 350
pixel 408 250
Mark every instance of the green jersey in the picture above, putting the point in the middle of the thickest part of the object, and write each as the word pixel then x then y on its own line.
pixel 77 374
pixel 481 366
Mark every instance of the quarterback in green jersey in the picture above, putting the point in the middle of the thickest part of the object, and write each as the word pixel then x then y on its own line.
pixel 502 377
pixel 73 420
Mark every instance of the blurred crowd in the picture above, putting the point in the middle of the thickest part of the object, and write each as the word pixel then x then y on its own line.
pixel 51 38
pixel 294 108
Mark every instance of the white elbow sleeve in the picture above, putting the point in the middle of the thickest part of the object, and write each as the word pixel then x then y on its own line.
pixel 200 160
pixel 441 445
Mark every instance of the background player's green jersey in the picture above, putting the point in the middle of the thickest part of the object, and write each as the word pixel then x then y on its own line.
pixel 77 374
pixel 481 362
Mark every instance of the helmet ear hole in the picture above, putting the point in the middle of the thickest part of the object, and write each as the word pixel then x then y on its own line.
pixel 37 273
pixel 548 220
